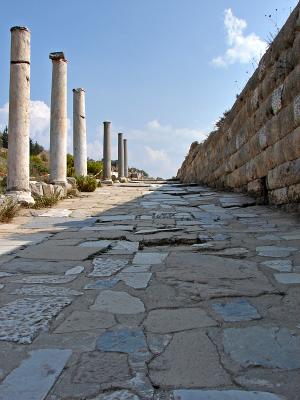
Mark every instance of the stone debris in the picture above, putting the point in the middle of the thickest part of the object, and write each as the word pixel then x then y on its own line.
pixel 22 320
pixel 106 267
pixel 35 376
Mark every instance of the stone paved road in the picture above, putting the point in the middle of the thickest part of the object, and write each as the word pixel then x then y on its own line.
pixel 151 291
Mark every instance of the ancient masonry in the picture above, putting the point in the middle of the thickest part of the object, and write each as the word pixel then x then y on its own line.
pixel 257 147
pixel 19 185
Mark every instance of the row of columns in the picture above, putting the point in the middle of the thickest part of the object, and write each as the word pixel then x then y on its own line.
pixel 122 154
pixel 19 123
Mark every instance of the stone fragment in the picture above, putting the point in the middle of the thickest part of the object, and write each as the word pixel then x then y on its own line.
pixel 158 343
pixel 176 320
pixel 179 364
pixel 126 340
pixel 102 284
pixel 118 303
pixel 108 369
pixel 117 395
pixel 271 347
pixel 138 280
pixel 279 265
pixel 42 290
pixel 203 394
pixel 50 279
pixel 86 320
pixel 288 278
pixel 22 319
pixel 56 213
pixel 35 376
pixel 142 258
pixel 107 267
pixel 75 270
pixel 237 310
pixel 275 251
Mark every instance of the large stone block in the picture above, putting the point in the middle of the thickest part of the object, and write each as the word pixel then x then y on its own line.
pixel 284 175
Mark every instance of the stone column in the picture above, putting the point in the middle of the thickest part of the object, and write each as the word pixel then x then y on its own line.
pixel 58 120
pixel 106 152
pixel 79 132
pixel 120 156
pixel 125 158
pixel 19 119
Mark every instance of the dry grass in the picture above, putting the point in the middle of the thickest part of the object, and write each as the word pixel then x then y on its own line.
pixel 8 209
pixel 44 201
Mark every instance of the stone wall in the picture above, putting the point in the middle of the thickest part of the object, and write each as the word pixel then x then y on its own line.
pixel 257 147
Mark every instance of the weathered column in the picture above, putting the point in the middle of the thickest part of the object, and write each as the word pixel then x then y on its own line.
pixel 79 132
pixel 106 152
pixel 58 120
pixel 19 119
pixel 120 156
pixel 125 158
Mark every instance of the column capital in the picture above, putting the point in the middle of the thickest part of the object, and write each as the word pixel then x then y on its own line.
pixel 19 28
pixel 57 56
pixel 78 90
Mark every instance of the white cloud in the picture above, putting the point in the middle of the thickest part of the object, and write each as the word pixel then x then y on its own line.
pixel 241 48
pixel 39 122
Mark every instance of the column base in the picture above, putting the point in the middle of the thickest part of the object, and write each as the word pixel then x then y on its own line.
pixel 64 184
pixel 107 181
pixel 123 180
pixel 21 196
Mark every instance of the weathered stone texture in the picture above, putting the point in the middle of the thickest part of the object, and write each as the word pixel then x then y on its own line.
pixel 257 146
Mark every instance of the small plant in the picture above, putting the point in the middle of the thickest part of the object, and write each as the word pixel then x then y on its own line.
pixel 45 201
pixel 94 167
pixel 8 209
pixel 38 166
pixel 86 183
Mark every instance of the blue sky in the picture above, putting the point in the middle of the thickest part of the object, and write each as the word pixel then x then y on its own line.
pixel 162 71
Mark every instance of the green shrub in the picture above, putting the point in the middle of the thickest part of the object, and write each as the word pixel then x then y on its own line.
pixel 86 183
pixel 38 166
pixel 94 167
pixel 44 201
pixel 8 209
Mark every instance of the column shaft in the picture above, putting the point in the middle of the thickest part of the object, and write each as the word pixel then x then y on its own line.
pixel 120 156
pixel 58 119
pixel 79 132
pixel 106 151
pixel 19 119
pixel 125 158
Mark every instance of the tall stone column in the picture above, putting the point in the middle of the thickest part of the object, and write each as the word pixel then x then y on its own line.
pixel 125 158
pixel 120 156
pixel 106 152
pixel 19 119
pixel 58 120
pixel 79 132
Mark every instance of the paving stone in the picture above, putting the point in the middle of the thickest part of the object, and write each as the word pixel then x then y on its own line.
pixel 22 319
pixel 42 290
pixel 181 319
pixel 124 247
pixel 137 268
pixel 125 340
pixel 157 343
pixel 118 303
pixel 137 280
pixel 117 395
pixel 46 251
pixel 75 270
pixel 107 267
pixel 108 228
pixel 142 258
pixel 111 218
pixel 268 237
pixel 86 320
pixel 237 310
pixel 22 265
pixel 288 278
pixel 275 251
pixel 202 394
pixel 271 347
pixel 102 284
pixel 35 376
pixel 1 286
pixel 97 244
pixel 291 236
pixel 5 274
pixel 50 279
pixel 56 213
pixel 156 230
pixel 102 368
pixel 179 364
pixel 279 265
